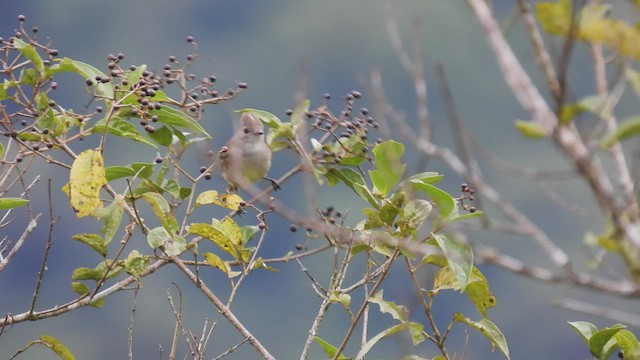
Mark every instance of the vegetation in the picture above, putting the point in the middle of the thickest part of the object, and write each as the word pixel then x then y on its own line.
pixel 407 221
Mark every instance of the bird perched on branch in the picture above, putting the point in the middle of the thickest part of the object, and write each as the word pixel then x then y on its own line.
pixel 247 157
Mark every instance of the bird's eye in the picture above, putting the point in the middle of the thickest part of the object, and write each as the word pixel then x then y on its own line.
pixel 246 130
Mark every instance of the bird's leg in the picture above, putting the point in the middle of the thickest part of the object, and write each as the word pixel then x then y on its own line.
pixel 273 182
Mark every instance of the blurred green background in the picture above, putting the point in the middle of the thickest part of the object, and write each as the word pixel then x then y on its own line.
pixel 264 44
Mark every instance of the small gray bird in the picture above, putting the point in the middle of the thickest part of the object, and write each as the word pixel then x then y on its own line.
pixel 246 158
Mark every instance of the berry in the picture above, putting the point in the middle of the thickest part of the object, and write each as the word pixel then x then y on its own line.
pixel 293 228
pixel 21 18
pixel 190 39
pixel 327 96
pixel 243 85
pixel 158 160
pixel 207 176
pixel 289 112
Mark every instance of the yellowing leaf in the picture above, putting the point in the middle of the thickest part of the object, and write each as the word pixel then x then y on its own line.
pixel 86 178
pixel 215 261
pixel 530 129
pixel 488 329
pixel 57 347
pixel 479 292
pixel 230 201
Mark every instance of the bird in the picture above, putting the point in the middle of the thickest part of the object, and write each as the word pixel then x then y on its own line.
pixel 246 158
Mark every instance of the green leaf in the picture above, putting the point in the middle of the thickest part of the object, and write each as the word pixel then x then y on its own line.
pixel 135 264
pixel 330 349
pixel 79 288
pixel 447 205
pixel 585 329
pixel 488 329
pixel 143 170
pixel 29 76
pixel 468 216
pixel 265 116
pixel 162 136
pixel 175 245
pixel 96 273
pixel 46 118
pixel 373 218
pixel 414 213
pixel 415 328
pixel 459 257
pixel 338 297
pixel 248 232
pixel 354 180
pixel 85 70
pixel 603 341
pixel 530 129
pixel 389 168
pixel 117 172
pixel 173 117
pixel 398 312
pixel 428 177
pixel 29 51
pixel 157 237
pixel 120 127
pixel 12 202
pixel 94 241
pixel 628 128
pixel 133 76
pixel 112 215
pixel 162 210
pixel 57 347
pixel 628 344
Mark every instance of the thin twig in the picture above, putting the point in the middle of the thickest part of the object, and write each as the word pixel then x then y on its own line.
pixel 630 319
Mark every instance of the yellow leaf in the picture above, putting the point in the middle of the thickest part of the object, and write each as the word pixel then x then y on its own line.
pixel 215 261
pixel 86 178
pixel 230 201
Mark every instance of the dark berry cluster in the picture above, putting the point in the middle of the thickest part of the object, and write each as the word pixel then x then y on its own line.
pixel 467 194
pixel 346 135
